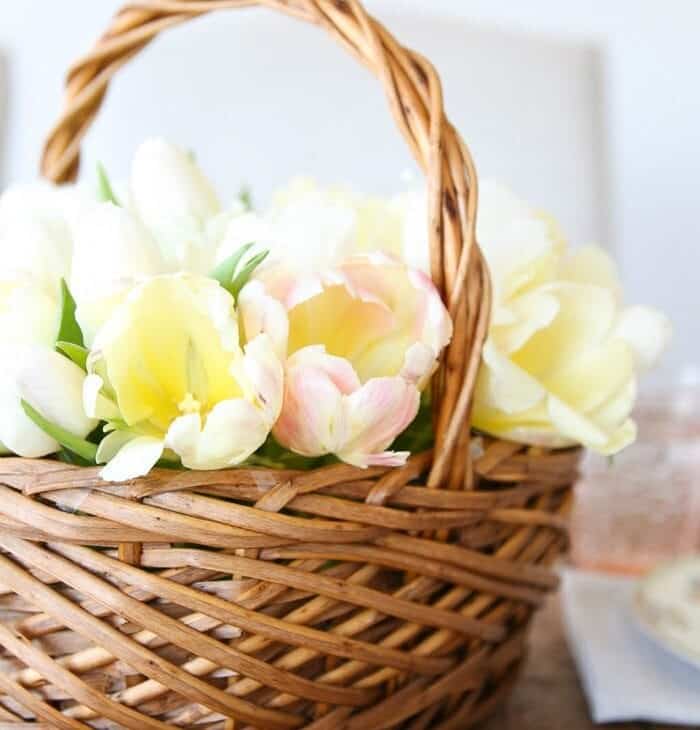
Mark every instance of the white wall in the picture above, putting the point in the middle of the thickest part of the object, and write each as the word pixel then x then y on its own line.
pixel 274 98
pixel 650 116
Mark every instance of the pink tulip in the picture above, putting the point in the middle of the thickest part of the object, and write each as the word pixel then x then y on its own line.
pixel 363 341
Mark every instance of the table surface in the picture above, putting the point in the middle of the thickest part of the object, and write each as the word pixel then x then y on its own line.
pixel 548 696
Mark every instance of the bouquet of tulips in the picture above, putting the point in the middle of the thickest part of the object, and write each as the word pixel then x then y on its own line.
pixel 152 325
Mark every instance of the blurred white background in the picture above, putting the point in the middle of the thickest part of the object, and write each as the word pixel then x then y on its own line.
pixel 591 110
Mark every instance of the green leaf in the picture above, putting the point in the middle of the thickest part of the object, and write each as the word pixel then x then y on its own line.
pixel 76 445
pixel 245 273
pixel 68 457
pixel 226 270
pixel 69 329
pixel 168 464
pixel 246 197
pixel 77 353
pixel 225 273
pixel 105 191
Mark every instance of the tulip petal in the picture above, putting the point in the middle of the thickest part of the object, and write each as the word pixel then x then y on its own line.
pixel 233 430
pixel 36 223
pixel 111 444
pixel 585 319
pixel 527 315
pixel 173 198
pixel 615 411
pixel 135 459
pixel 419 364
pixel 589 381
pixel 18 433
pixel 52 385
pixel 265 373
pixel 646 331
pixel 28 315
pixel 95 404
pixel 312 422
pixel 338 370
pixel 592 265
pixel 173 335
pixel 36 248
pixel 112 253
pixel 378 412
pixel 261 313
pixel 583 430
pixel 504 385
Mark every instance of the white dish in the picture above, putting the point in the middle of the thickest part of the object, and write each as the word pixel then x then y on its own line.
pixel 666 606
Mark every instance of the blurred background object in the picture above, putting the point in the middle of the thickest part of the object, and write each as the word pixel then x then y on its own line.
pixel 642 507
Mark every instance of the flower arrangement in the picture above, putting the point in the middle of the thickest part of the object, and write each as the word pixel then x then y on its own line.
pixel 155 326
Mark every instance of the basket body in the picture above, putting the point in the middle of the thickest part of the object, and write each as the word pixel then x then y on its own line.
pixel 313 599
pixel 332 599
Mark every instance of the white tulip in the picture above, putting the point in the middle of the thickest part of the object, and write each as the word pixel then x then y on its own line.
pixel 36 228
pixel 113 252
pixel 29 315
pixel 177 204
pixel 52 385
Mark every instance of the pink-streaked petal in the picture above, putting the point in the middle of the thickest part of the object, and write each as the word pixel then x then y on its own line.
pixel 339 370
pixel 419 312
pixel 384 458
pixel 377 413
pixel 287 285
pixel 437 323
pixel 261 313
pixel 312 422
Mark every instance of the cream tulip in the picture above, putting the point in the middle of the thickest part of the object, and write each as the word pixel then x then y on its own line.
pixel 168 372
pixel 563 355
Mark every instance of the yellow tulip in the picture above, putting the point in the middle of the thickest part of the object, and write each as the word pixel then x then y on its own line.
pixel 169 372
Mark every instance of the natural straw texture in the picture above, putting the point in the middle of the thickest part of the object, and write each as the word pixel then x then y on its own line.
pixel 335 599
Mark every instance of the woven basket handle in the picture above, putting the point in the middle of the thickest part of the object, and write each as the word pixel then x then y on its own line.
pixel 415 96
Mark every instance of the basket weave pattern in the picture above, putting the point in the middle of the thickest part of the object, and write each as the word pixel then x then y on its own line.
pixel 254 598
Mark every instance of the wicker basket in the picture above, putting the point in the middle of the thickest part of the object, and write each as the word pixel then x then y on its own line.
pixel 252 598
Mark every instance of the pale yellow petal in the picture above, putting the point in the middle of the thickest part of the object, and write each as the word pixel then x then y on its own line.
pixel 504 386
pixel 647 331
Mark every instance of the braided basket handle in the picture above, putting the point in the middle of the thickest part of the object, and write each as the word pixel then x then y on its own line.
pixel 414 92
